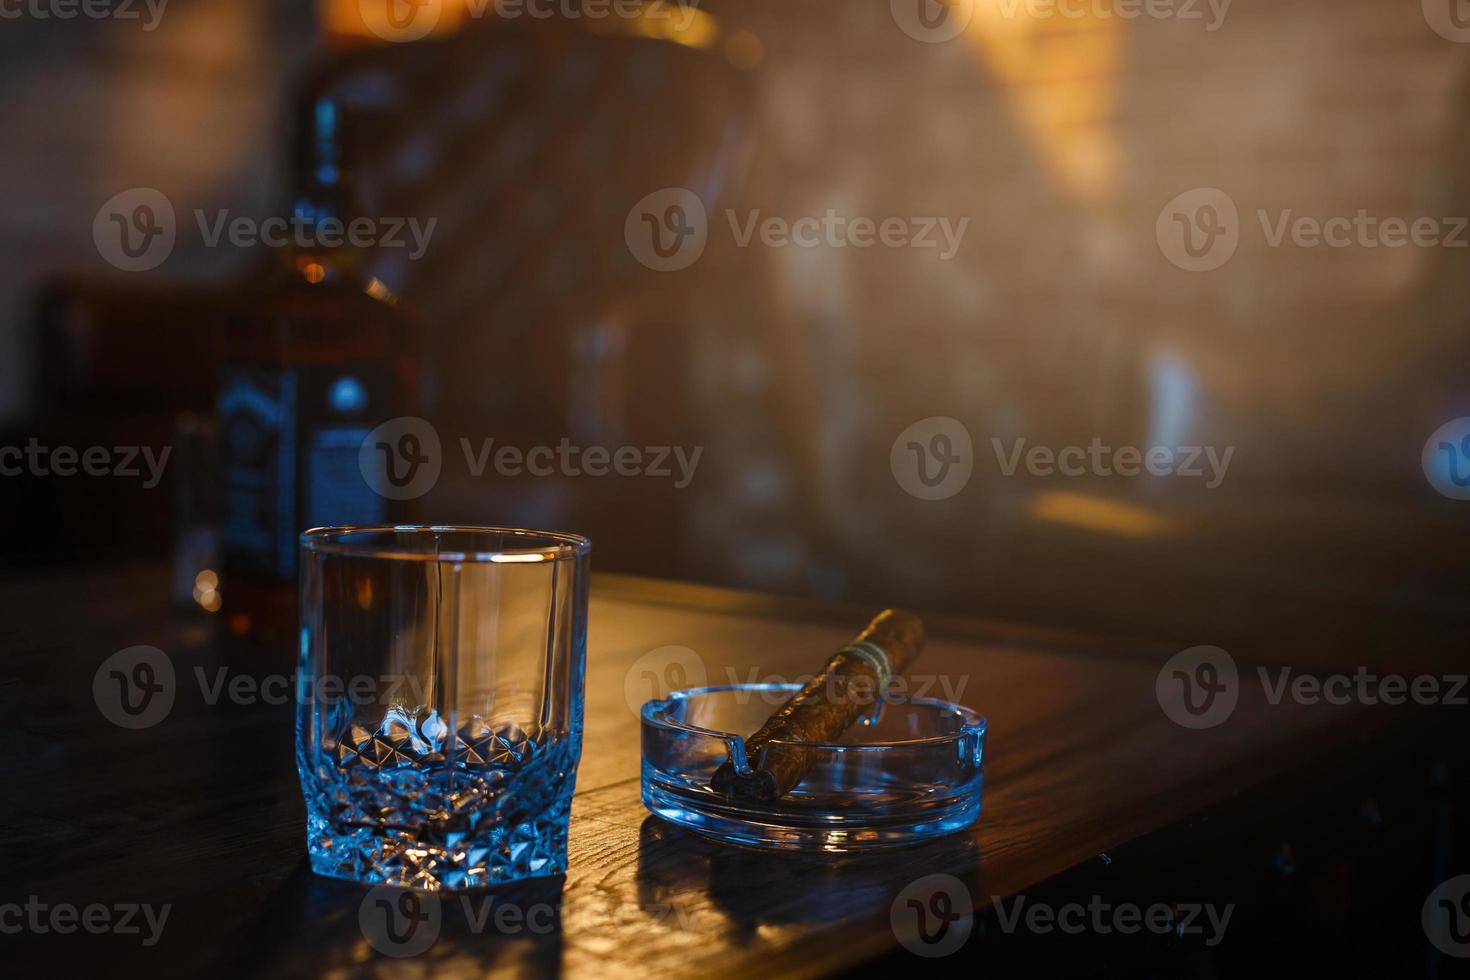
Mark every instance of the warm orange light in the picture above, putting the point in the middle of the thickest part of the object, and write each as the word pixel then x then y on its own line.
pixel 379 291
pixel 1061 75
pixel 389 21
pixel 206 590
pixel 744 50
pixel 663 21
pixel 1098 514
pixel 314 272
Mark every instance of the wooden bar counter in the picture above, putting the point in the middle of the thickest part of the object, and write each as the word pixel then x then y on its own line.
pixel 203 810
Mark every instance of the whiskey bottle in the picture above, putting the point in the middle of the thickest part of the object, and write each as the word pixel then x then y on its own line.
pixel 319 353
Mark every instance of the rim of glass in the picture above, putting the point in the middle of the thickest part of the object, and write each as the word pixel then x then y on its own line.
pixel 540 546
pixel 655 712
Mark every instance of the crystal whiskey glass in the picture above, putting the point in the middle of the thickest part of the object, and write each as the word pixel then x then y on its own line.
pixel 439 702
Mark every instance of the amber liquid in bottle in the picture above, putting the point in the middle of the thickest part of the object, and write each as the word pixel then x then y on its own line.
pixel 317 356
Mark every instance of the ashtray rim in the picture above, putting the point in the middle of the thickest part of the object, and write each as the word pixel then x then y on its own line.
pixel 654 712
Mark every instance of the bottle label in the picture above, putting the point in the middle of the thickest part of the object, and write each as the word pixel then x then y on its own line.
pixel 290 441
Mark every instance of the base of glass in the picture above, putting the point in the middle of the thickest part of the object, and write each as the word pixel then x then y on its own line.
pixel 492 856
pixel 832 833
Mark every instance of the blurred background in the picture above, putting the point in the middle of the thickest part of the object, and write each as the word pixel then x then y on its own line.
pixel 1112 187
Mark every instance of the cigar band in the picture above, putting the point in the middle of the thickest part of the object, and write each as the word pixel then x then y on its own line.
pixel 876 657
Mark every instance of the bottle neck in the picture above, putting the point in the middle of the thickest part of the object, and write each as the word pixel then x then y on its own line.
pixel 323 204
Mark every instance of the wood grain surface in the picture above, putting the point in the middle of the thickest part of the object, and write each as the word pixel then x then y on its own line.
pixel 203 811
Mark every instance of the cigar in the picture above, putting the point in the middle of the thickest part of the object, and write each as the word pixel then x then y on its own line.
pixel 824 709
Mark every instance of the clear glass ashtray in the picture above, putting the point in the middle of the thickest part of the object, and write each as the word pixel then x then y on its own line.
pixel 909 769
